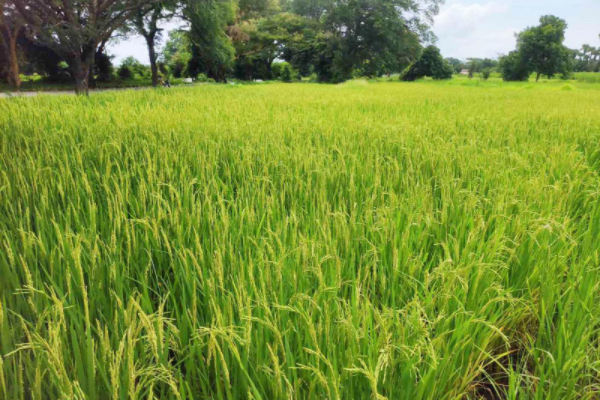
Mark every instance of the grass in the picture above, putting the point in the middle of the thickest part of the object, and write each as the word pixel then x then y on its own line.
pixel 358 241
pixel 588 77
pixel 37 84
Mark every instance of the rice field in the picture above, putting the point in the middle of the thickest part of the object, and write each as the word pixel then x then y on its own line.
pixel 588 77
pixel 359 241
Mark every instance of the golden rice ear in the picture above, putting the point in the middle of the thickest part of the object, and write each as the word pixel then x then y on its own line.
pixel 366 240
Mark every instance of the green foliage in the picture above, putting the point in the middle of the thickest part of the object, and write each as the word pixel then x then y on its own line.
pixel 357 241
pixel 266 39
pixel 313 9
pixel 485 73
pixel 541 47
pixel 136 68
pixel 177 53
pixel 379 41
pixel 587 77
pixel 479 65
pixel 431 64
pixel 286 73
pixel 76 29
pixel 103 68
pixel 587 59
pixel 331 63
pixel 213 49
pixel 335 40
pixel 457 64
pixel 277 69
pixel 513 67
pixel 124 72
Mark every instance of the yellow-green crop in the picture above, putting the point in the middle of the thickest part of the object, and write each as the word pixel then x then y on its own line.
pixel 360 241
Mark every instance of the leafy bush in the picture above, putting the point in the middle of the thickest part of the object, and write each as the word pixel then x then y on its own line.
pixel 124 72
pixel 432 64
pixel 286 74
pixel 103 68
pixel 135 68
pixel 177 67
pixel 485 73
pixel 513 67
pixel 277 69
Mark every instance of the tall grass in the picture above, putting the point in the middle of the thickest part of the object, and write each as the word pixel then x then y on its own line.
pixel 588 77
pixel 360 241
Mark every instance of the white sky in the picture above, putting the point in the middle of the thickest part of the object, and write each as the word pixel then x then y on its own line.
pixel 469 28
pixel 136 45
pixel 486 28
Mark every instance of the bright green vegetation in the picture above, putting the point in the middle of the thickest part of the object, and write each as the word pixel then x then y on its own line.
pixel 383 240
pixel 589 77
pixel 35 84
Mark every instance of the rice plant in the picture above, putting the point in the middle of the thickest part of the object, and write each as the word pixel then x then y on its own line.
pixel 358 241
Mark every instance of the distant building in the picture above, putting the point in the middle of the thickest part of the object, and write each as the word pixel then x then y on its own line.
pixel 464 72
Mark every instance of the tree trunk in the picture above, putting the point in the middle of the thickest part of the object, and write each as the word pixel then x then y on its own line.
pixel 223 73
pixel 269 65
pixel 248 72
pixel 14 76
pixel 81 71
pixel 91 78
pixel 537 78
pixel 152 55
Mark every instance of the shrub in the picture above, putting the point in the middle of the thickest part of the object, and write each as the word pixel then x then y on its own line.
pixel 124 72
pixel 163 68
pixel 103 67
pixel 177 68
pixel 286 73
pixel 485 73
pixel 513 67
pixel 443 71
pixel 277 69
pixel 431 63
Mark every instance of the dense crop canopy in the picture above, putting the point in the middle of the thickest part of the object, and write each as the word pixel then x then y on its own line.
pixel 400 241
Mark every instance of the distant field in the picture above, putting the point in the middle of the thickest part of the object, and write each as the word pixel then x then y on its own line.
pixel 589 77
pixel 429 240
pixel 36 84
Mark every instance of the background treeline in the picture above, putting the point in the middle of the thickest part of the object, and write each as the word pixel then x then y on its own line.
pixel 332 39
pixel 327 40
pixel 540 51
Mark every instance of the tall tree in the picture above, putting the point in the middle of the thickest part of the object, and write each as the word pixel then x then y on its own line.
pixel 431 63
pixel 75 29
pixel 267 38
pixel 212 47
pixel 11 25
pixel 513 67
pixel 542 47
pixel 146 22
pixel 375 31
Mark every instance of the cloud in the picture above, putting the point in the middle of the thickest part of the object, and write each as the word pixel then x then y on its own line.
pixel 474 30
pixel 460 18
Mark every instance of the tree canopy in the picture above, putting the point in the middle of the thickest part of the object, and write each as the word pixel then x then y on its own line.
pixel 540 49
pixel 75 29
pixel 327 40
pixel 431 64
